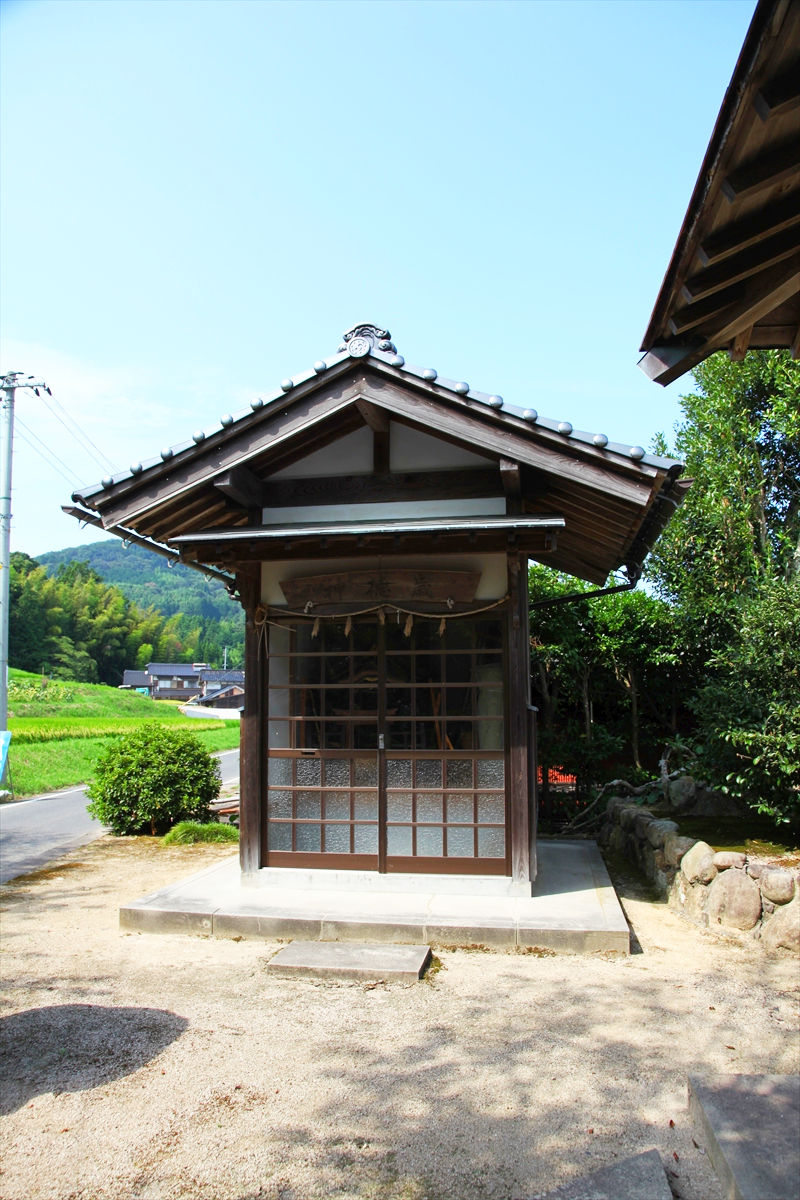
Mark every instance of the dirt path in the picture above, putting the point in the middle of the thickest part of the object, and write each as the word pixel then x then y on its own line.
pixel 152 1067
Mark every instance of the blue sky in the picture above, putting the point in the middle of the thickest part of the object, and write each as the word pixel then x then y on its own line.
pixel 199 198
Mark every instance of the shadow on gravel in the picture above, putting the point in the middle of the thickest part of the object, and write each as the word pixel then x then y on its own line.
pixel 74 1047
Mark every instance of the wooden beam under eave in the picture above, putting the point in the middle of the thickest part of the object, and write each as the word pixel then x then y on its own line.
pixel 242 486
pixel 740 344
pixel 742 266
pixel 763 172
pixel 747 231
pixel 779 95
pixel 794 349
pixel 376 418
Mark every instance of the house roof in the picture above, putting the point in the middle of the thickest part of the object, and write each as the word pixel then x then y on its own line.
pixel 131 678
pixel 733 281
pixel 218 498
pixel 182 670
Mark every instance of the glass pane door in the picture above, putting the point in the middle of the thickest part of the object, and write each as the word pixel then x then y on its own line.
pixel 387 749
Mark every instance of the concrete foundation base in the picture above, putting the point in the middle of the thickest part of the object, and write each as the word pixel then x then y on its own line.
pixel 573 908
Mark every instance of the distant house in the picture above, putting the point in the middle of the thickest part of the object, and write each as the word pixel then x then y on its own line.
pixel 139 681
pixel 221 689
pixel 176 681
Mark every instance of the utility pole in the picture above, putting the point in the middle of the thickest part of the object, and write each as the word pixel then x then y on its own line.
pixel 9 384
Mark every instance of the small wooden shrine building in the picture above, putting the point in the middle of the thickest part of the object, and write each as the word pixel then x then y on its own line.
pixel 376 521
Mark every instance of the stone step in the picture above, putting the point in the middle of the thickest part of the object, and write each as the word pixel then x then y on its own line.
pixel 640 1177
pixel 750 1127
pixel 364 961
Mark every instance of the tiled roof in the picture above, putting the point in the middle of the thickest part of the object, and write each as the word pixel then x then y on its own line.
pixel 370 342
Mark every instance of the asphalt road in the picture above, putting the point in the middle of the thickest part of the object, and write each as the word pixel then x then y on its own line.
pixel 33 832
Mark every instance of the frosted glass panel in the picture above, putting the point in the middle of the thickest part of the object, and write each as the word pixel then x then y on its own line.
pixel 337 772
pixel 279 836
pixel 279 804
pixel 366 839
pixel 459 808
pixel 309 771
pixel 429 840
pixel 429 773
pixel 491 809
pixel 398 839
pixel 308 805
pixel 337 806
pixel 279 770
pixel 491 772
pixel 491 843
pixel 337 839
pixel 429 808
pixel 308 837
pixel 366 806
pixel 459 772
pixel 398 772
pixel 460 843
pixel 366 772
pixel 399 806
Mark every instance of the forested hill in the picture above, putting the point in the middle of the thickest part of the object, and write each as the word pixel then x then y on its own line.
pixel 149 581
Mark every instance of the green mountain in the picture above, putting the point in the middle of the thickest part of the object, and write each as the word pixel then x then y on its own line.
pixel 149 581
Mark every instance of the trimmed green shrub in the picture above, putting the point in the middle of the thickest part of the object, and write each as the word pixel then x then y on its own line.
pixel 151 779
pixel 186 833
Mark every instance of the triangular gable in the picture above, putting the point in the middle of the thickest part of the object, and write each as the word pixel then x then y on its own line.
pixel 243 475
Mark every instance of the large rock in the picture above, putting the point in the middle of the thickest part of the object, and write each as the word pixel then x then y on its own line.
pixel 682 792
pixel 782 931
pixel 675 847
pixel 777 885
pixel 698 864
pixel 688 898
pixel 629 815
pixel 656 832
pixel 724 859
pixel 734 900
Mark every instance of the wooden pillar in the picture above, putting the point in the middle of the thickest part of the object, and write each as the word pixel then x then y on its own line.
pixel 252 758
pixel 518 718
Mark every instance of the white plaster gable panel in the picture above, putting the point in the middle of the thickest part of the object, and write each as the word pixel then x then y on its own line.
pixel 348 455
pixel 412 450
pixel 391 510
pixel 492 568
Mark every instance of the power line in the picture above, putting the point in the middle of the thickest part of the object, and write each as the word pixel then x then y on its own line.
pixel 79 434
pixel 71 478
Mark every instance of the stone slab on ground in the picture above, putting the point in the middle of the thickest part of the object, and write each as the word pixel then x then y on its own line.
pixel 350 960
pixel 750 1127
pixel 640 1177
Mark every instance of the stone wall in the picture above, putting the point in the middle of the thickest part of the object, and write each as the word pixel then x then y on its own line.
pixel 716 889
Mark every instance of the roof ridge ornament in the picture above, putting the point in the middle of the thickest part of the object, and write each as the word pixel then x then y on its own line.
pixel 362 340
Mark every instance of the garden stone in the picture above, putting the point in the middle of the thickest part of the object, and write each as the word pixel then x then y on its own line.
pixel 755 869
pixel 689 899
pixel 724 859
pixel 656 832
pixel 734 900
pixel 642 824
pixel 629 815
pixel 777 885
pixel 782 931
pixel 682 792
pixel 698 863
pixel 675 847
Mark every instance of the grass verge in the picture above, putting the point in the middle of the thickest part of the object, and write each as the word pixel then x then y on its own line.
pixel 59 729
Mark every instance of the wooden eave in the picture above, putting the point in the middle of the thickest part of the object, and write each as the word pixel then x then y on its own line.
pixel 225 482
pixel 733 281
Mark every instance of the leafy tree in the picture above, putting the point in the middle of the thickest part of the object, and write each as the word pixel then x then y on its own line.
pixel 729 561
pixel 151 779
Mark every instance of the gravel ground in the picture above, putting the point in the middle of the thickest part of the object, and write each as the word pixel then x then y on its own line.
pixel 159 1067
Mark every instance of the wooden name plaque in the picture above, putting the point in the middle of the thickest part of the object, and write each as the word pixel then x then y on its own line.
pixel 393 585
